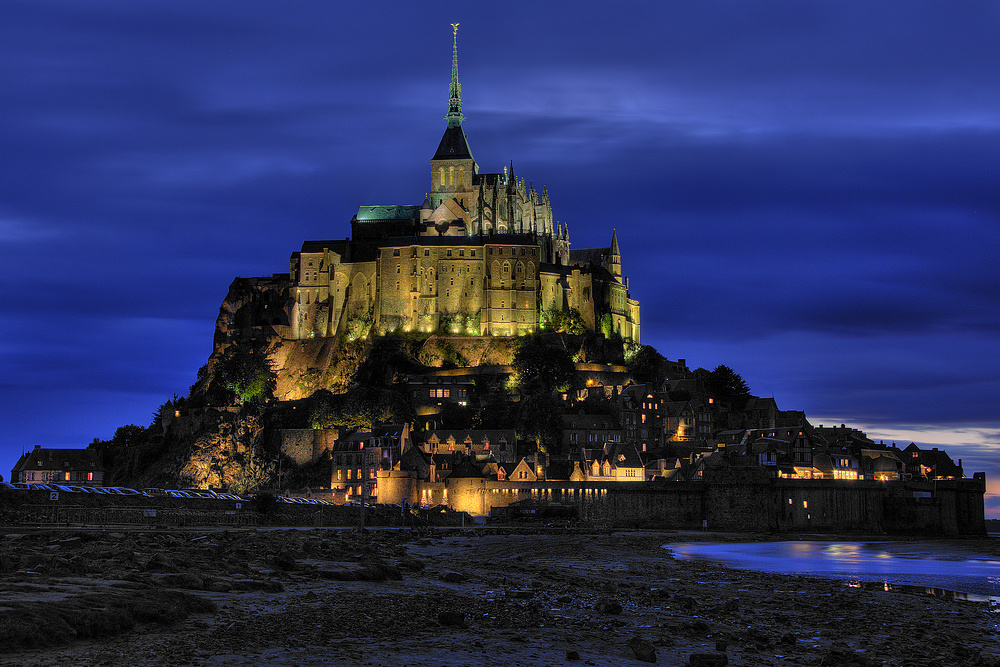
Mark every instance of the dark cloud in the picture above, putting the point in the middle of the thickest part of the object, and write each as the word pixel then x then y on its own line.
pixel 805 192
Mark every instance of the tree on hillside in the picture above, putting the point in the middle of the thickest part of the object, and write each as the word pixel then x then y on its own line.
pixel 365 407
pixel 390 357
pixel 725 383
pixel 647 365
pixel 563 321
pixel 539 367
pixel 538 419
pixel 246 371
pixel 119 454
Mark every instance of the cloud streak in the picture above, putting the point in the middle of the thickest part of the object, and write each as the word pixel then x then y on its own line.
pixel 804 192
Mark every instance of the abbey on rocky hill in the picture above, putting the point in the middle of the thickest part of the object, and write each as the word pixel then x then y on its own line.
pixel 480 256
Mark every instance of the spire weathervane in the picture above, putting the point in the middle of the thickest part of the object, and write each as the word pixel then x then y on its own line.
pixel 454 116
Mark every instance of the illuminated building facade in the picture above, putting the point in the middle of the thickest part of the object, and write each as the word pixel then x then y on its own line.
pixel 482 255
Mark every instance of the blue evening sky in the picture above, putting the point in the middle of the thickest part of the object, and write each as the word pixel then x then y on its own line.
pixel 808 192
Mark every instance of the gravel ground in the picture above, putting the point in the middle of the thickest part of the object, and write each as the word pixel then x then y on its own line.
pixel 447 597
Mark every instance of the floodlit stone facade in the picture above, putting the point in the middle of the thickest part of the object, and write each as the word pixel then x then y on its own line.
pixel 482 256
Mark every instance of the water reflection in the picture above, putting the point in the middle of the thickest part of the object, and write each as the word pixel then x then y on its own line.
pixel 927 567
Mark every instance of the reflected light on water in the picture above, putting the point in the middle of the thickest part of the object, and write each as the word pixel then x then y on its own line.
pixel 929 568
pixel 843 552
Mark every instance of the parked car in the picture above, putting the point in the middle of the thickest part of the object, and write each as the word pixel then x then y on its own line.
pixel 200 493
pixel 45 487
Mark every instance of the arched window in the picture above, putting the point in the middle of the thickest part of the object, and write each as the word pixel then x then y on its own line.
pixel 441 175
pixel 451 176
pixel 461 176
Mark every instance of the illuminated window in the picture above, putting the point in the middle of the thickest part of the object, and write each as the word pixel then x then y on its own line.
pixel 66 477
pixel 805 504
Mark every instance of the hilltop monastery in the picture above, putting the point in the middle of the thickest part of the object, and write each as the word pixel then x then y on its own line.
pixel 480 256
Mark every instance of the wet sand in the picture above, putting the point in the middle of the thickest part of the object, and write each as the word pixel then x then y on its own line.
pixel 454 597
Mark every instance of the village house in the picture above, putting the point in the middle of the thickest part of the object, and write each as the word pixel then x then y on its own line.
pixel 581 430
pixel 498 444
pixel 76 467
pixel 357 458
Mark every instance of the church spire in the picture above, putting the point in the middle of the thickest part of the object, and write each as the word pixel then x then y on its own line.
pixel 454 116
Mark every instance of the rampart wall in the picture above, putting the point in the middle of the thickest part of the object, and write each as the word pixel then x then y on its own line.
pixel 729 500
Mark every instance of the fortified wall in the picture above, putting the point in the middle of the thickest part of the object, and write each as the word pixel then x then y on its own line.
pixel 741 501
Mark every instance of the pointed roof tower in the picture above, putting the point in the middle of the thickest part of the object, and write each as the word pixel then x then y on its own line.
pixel 454 144
pixel 615 259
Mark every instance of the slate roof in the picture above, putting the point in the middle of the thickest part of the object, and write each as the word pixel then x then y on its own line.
pixel 382 213
pixel 58 459
pixel 466 468
pixel 584 256
pixel 454 145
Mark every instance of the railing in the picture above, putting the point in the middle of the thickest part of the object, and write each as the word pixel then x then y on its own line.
pixel 74 515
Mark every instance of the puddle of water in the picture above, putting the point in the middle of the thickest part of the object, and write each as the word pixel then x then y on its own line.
pixel 950 573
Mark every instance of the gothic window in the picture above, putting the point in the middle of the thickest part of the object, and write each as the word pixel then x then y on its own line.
pixel 506 267
pixel 452 282
pixel 397 284
pixel 398 268
pixel 451 175
pixel 441 174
